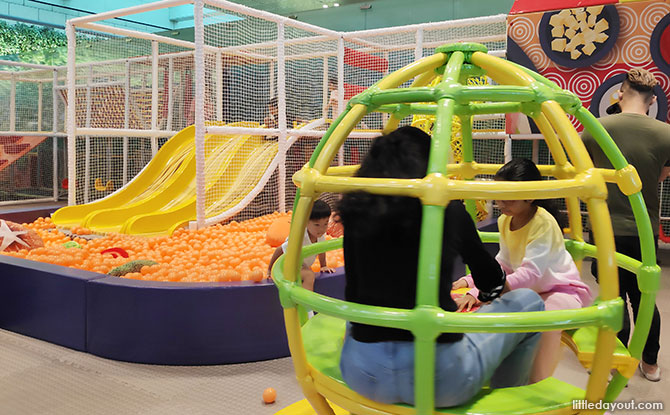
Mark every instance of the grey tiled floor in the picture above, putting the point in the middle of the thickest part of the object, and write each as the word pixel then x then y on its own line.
pixel 39 378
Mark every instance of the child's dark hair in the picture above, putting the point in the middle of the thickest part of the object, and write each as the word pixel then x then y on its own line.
pixel 320 210
pixel 401 154
pixel 522 170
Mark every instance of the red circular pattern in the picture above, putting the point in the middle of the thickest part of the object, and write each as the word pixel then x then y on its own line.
pixel 584 84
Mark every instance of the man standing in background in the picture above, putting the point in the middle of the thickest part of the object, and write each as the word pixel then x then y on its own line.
pixel 645 143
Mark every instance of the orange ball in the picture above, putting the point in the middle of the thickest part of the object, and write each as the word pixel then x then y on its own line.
pixel 256 275
pixel 278 231
pixel 269 395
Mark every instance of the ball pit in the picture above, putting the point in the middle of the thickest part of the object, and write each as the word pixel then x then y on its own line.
pixel 201 304
pixel 237 251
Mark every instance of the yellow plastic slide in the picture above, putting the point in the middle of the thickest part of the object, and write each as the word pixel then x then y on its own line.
pixel 162 196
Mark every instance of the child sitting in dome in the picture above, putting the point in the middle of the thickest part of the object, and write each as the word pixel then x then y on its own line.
pixel 532 253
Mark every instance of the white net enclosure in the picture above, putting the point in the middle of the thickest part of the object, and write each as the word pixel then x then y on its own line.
pixel 32 139
pixel 259 91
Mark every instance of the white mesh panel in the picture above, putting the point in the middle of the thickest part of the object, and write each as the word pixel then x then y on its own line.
pixel 27 148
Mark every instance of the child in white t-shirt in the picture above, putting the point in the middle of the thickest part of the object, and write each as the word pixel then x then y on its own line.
pixel 315 232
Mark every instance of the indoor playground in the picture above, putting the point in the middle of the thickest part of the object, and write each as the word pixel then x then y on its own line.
pixel 149 177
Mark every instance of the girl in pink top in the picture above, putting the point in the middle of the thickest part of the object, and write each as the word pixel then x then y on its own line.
pixel 533 255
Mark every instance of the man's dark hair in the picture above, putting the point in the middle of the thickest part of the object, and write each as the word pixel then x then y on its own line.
pixel 320 210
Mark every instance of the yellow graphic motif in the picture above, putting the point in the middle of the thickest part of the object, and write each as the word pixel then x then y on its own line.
pixel 572 28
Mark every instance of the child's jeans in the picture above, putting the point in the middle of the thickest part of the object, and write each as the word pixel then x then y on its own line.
pixel 384 371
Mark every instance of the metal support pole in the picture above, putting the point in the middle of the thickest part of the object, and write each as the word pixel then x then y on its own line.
pixel 200 178
pixel 508 149
pixel 340 91
pixel 126 122
pixel 219 86
pixel 281 106
pixel 87 159
pixel 71 114
pixel 272 79
pixel 154 95
pixel 385 115
pixel 39 106
pixel 54 139
pixel 170 93
pixel 12 105
pixel 418 48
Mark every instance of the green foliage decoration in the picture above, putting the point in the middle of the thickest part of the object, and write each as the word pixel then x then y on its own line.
pixel 33 44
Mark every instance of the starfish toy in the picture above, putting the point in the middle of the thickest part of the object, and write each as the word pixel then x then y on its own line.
pixel 9 236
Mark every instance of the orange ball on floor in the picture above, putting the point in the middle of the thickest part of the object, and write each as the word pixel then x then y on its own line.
pixel 269 395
